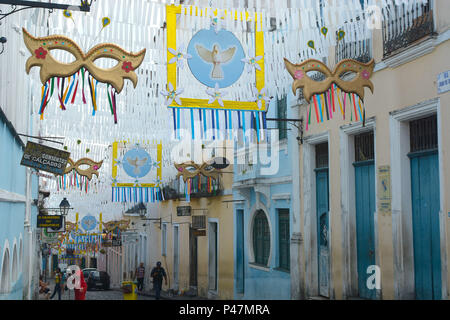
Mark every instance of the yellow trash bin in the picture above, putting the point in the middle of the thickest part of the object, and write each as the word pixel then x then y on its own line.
pixel 129 290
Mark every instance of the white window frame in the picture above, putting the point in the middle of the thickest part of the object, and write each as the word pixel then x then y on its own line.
pixel 404 285
pixel 347 154
pixel 310 214
pixel 216 221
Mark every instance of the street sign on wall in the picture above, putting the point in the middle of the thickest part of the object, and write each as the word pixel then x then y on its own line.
pixel 384 189
pixel 46 221
pixel 45 158
pixel 443 82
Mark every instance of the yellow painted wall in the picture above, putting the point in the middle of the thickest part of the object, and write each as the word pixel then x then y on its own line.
pixel 395 89
pixel 216 208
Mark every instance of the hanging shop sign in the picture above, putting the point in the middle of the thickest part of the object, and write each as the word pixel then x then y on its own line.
pixel 68 76
pixel 47 221
pixel 55 230
pixel 199 233
pixel 45 158
pixel 211 97
pixel 136 172
pixel 49 237
pixel 332 92
pixel 112 243
pixel 184 211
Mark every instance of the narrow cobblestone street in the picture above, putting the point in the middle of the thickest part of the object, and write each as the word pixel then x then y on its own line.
pixel 224 152
pixel 99 295
pixel 112 294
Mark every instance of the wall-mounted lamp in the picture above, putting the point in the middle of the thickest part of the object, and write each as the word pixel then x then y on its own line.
pixel 2 41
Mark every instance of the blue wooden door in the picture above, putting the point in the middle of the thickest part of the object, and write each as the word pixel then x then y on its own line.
pixel 240 251
pixel 365 231
pixel 322 231
pixel 425 215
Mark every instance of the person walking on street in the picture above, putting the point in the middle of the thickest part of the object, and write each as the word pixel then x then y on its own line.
pixel 58 284
pixel 43 288
pixel 157 274
pixel 80 294
pixel 140 273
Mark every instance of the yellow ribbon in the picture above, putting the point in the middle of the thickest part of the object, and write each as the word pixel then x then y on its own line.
pixel 338 93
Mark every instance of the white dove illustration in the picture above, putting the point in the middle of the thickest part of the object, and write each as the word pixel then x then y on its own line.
pixel 216 58
pixel 137 163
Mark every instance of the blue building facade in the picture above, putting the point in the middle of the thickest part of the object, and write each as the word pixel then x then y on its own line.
pixel 263 210
pixel 14 238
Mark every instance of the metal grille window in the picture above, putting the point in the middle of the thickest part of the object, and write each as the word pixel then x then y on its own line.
pixel 322 155
pixel 198 222
pixel 261 238
pixel 364 148
pixel 283 239
pixel 282 114
pixel 360 50
pixel 423 134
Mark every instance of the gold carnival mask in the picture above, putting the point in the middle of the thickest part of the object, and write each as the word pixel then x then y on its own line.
pixel 311 87
pixel 93 167
pixel 122 225
pixel 190 170
pixel 40 49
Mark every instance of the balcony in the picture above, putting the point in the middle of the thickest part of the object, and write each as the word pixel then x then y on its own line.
pixel 405 27
pixel 246 166
pixel 201 187
pixel 360 51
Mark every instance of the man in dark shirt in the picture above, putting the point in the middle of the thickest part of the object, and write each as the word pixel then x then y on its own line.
pixel 157 274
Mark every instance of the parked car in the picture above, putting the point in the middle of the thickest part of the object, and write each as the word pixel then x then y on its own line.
pixel 86 272
pixel 98 279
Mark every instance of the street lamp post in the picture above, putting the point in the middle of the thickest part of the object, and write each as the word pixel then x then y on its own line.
pixel 142 210
pixel 64 207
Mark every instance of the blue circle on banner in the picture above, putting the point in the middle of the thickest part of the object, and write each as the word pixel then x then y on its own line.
pixel 137 163
pixel 88 223
pixel 216 57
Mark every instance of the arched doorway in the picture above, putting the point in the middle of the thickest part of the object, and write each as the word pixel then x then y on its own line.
pixel 5 285
pixel 15 265
pixel 261 238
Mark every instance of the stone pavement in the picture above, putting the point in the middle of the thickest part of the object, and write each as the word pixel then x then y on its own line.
pixel 113 294
pixel 116 294
pixel 167 295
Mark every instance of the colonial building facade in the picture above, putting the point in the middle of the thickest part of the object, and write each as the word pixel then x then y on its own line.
pixel 19 249
pixel 193 239
pixel 374 196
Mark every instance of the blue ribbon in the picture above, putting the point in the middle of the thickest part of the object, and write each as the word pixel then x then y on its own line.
pixel 192 124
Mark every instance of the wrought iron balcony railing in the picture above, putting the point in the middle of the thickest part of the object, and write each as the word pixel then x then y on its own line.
pixel 206 187
pixel 404 27
pixel 360 51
